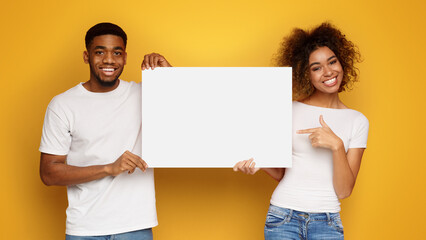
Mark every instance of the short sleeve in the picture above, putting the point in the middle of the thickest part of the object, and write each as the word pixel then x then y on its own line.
pixel 359 132
pixel 56 137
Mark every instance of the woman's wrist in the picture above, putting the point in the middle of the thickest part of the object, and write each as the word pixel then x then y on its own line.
pixel 338 146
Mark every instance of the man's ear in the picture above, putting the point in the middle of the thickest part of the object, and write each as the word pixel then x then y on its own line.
pixel 125 58
pixel 86 57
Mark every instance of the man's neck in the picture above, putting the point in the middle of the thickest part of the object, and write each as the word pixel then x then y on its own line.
pixel 95 86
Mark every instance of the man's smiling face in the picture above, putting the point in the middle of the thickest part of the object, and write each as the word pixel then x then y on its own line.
pixel 106 56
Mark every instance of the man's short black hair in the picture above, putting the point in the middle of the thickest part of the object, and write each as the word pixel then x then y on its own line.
pixel 104 28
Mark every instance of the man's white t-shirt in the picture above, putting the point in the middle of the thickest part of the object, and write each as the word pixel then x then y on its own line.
pixel 308 185
pixel 96 129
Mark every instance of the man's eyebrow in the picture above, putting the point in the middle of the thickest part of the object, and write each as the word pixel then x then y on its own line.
pixel 115 48
pixel 334 56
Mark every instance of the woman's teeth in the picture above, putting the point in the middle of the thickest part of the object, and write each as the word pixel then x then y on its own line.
pixel 331 81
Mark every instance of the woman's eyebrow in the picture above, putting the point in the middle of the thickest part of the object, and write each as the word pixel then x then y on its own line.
pixel 310 65
pixel 331 57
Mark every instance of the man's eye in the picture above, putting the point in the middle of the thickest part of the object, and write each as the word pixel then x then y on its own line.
pixel 117 53
pixel 99 52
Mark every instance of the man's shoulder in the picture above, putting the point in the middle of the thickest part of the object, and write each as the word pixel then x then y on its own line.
pixel 133 86
pixel 72 91
pixel 131 83
pixel 66 96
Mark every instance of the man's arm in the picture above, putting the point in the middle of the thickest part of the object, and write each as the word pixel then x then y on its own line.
pixel 154 60
pixel 55 171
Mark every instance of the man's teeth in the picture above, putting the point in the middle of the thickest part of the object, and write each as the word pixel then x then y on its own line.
pixel 108 69
pixel 330 81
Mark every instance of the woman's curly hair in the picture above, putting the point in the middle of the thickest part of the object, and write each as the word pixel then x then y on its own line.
pixel 298 46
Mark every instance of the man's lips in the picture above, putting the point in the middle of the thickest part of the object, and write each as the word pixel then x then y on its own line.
pixel 108 71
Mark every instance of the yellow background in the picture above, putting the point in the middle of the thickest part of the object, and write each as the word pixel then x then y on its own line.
pixel 42 44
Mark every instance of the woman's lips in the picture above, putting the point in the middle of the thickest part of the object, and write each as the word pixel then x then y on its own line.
pixel 331 82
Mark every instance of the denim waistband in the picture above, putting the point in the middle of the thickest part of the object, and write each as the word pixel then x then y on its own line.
pixel 290 213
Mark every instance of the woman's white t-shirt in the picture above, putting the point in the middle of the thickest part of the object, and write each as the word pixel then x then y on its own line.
pixel 308 185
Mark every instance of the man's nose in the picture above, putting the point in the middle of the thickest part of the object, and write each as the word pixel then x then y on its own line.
pixel 108 58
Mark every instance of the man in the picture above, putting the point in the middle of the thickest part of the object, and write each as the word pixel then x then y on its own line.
pixel 91 136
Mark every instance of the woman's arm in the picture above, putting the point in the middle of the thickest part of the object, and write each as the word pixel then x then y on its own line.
pixel 345 169
pixel 248 167
pixel 345 165
pixel 275 173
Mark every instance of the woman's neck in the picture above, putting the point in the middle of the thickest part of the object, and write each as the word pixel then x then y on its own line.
pixel 325 100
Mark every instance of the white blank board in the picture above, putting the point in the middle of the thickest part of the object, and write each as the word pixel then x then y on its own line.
pixel 216 116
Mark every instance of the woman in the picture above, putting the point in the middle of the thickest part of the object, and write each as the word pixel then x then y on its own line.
pixel 329 139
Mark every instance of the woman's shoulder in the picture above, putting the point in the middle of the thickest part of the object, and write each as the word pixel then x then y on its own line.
pixel 302 105
pixel 354 115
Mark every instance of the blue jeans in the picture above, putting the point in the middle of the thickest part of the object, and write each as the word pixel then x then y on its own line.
pixel 283 223
pixel 145 234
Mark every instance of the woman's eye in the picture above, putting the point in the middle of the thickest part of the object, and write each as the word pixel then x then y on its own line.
pixel 333 62
pixel 315 69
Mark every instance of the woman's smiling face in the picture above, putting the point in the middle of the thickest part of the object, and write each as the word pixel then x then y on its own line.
pixel 325 70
